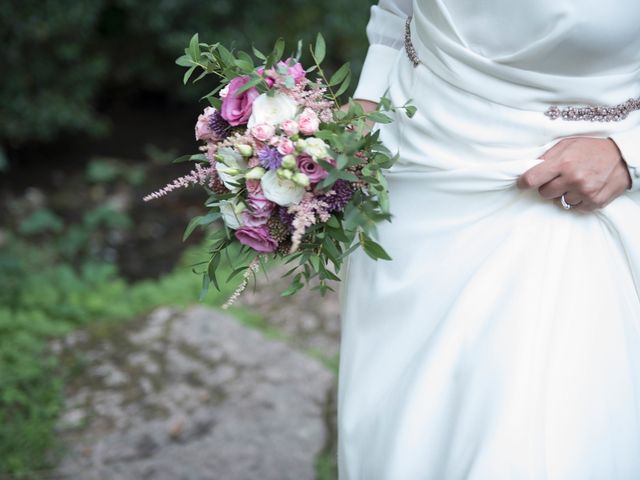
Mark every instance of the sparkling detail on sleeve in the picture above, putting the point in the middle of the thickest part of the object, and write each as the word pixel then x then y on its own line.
pixel 595 113
pixel 408 46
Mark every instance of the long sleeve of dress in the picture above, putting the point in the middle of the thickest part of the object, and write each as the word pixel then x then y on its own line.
pixel 385 32
pixel 628 143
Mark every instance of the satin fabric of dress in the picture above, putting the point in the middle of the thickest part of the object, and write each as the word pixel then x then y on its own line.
pixel 503 339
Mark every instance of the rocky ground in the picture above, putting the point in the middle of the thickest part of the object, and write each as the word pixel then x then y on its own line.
pixel 199 394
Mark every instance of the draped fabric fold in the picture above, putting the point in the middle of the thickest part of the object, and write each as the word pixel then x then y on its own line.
pixel 502 342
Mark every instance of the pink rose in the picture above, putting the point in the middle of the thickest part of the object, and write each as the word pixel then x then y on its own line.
pixel 308 122
pixel 296 70
pixel 257 238
pixel 263 131
pixel 275 141
pixel 268 78
pixel 311 168
pixel 236 109
pixel 289 127
pixel 203 128
pixel 285 146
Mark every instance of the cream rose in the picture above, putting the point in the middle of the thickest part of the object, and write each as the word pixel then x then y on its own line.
pixel 272 110
pixel 282 191
pixel 315 147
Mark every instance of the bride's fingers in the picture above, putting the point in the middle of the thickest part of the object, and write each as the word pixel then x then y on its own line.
pixel 553 188
pixel 573 198
pixel 556 149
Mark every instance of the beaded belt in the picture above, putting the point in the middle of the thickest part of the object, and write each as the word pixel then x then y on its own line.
pixel 594 113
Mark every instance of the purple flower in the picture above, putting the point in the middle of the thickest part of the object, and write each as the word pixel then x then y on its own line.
pixel 257 238
pixel 339 195
pixel 270 158
pixel 286 218
pixel 236 109
pixel 219 125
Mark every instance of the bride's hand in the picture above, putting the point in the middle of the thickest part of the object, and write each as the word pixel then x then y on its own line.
pixel 589 171
pixel 367 105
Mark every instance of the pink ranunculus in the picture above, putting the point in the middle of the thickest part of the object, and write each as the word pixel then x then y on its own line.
pixel 236 109
pixel 257 238
pixel 251 220
pixel 253 186
pixel 268 78
pixel 308 122
pixel 263 131
pixel 259 211
pixel 258 204
pixel 203 126
pixel 285 146
pixel 289 127
pixel 296 70
pixel 311 168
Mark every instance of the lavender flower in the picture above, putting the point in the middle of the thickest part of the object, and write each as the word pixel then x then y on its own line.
pixel 270 158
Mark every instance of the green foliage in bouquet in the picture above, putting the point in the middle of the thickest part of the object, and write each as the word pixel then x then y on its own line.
pixel 315 232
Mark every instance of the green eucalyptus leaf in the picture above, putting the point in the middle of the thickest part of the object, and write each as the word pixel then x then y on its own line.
pixel 200 221
pixel 258 53
pixel 194 48
pixel 226 56
pixel 374 250
pixel 205 287
pixel 188 74
pixel 379 117
pixel 184 61
pixel 320 49
pixel 236 272
pixel 212 270
pixel 345 85
pixel 340 75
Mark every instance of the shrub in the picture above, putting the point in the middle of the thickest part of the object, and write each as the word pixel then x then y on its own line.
pixel 59 56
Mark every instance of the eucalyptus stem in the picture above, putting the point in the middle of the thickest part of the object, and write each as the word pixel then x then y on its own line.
pixel 324 78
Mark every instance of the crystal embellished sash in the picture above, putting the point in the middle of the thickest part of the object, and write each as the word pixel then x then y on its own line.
pixel 593 113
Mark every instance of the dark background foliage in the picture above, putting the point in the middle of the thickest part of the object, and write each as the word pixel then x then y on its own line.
pixel 65 61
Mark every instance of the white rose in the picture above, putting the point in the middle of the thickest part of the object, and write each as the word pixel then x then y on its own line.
pixel 316 148
pixel 272 110
pixel 229 167
pixel 280 190
pixel 230 216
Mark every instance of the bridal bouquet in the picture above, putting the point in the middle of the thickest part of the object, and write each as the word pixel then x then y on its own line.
pixel 287 172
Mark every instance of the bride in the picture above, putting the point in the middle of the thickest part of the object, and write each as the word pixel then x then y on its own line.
pixel 503 339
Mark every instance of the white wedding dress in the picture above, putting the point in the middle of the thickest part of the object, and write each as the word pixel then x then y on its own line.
pixel 502 342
